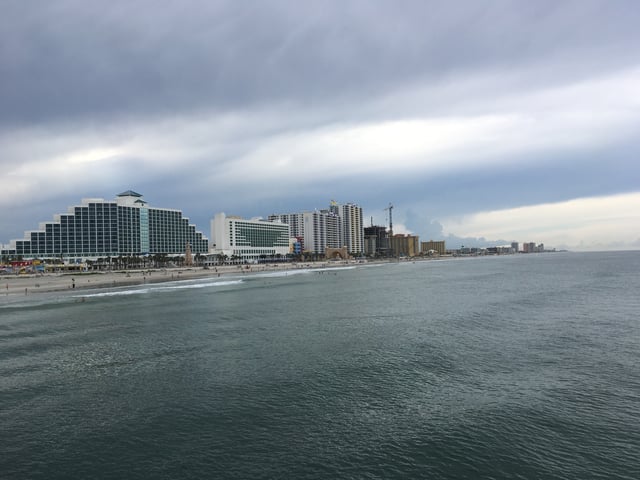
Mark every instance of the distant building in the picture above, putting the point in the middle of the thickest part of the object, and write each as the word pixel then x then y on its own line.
pixel 435 246
pixel 351 232
pixel 315 230
pixel 405 245
pixel 337 227
pixel 294 220
pixel 296 245
pixel 250 240
pixel 515 247
pixel 99 228
pixel 321 231
pixel 376 241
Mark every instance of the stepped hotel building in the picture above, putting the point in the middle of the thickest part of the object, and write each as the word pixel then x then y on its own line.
pixel 98 228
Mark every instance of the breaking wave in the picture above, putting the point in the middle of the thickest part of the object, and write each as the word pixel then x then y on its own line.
pixel 161 288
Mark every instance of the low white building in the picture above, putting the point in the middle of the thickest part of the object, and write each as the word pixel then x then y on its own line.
pixel 250 240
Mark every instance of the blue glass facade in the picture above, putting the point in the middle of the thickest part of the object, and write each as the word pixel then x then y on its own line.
pixel 100 229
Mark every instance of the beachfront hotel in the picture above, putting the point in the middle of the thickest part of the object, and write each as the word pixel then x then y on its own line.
pixel 433 246
pixel 99 228
pixel 336 227
pixel 318 230
pixel 351 227
pixel 405 245
pixel 250 240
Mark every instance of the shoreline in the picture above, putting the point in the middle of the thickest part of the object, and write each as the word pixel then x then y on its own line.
pixel 14 286
pixel 34 284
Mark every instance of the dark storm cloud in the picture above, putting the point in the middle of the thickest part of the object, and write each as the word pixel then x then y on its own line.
pixel 68 59
pixel 262 107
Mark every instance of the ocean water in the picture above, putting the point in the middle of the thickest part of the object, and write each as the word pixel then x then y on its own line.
pixel 513 367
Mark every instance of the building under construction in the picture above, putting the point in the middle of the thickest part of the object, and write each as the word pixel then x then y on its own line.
pixel 376 241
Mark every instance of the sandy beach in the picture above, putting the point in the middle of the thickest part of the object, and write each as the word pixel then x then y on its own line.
pixel 33 284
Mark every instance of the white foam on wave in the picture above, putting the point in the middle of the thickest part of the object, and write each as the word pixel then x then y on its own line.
pixel 205 283
pixel 301 271
pixel 115 293
pixel 372 265
pixel 185 285
pixel 160 288
pixel 284 273
pixel 333 269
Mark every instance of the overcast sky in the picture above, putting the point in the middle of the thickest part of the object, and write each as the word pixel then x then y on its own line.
pixel 481 122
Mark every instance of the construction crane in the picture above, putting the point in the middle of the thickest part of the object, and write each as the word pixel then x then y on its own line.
pixel 390 208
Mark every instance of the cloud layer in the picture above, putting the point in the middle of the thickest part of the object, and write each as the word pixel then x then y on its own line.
pixel 594 223
pixel 447 111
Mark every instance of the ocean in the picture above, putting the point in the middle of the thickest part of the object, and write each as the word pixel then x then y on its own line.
pixel 510 367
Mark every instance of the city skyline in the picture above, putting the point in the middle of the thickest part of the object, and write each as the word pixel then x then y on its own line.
pixel 92 223
pixel 481 123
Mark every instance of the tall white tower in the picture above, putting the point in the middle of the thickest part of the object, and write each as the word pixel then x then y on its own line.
pixel 351 228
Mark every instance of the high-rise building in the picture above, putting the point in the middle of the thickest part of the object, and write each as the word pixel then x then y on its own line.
pixel 294 220
pixel 405 245
pixel 249 239
pixel 318 229
pixel 99 228
pixel 351 231
pixel 339 226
